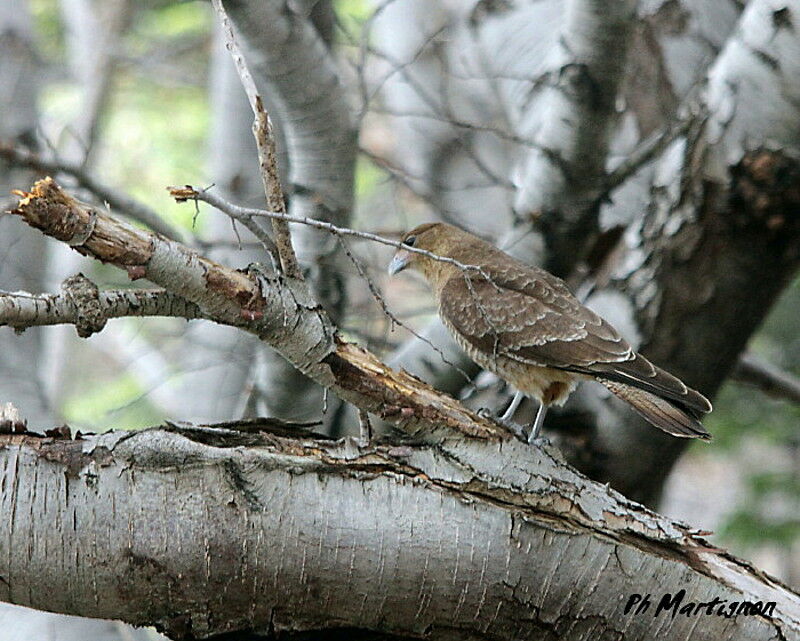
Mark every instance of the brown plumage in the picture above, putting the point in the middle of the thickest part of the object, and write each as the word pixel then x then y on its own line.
pixel 524 324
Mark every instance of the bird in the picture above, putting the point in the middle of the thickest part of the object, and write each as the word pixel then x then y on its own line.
pixel 524 324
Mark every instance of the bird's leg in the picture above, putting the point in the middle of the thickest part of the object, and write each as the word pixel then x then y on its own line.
pixel 509 413
pixel 537 423
pixel 505 420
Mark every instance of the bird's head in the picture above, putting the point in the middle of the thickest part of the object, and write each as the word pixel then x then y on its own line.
pixel 437 238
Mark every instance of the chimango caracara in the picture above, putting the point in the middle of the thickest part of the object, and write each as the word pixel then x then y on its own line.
pixel 523 324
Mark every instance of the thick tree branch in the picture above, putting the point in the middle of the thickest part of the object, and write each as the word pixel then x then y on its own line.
pixel 277 309
pixel 203 531
pixel 292 63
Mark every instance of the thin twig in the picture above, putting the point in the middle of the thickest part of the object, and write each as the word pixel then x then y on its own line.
pixel 120 202
pixel 182 194
pixel 649 149
pixel 265 142
pixel 255 228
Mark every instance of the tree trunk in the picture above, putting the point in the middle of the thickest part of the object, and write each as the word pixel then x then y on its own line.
pixel 203 531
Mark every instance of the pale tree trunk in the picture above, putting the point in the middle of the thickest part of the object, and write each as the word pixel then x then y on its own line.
pixel 451 138
pixel 651 272
pixel 710 257
pixel 205 531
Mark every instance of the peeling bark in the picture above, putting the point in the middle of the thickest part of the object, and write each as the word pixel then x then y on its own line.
pixel 570 114
pixel 720 240
pixel 677 212
pixel 204 531
pixel 706 286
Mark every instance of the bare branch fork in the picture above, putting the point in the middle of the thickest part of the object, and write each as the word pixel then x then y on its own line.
pixel 265 142
pixel 280 312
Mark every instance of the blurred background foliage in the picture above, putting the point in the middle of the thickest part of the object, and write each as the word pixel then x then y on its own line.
pixel 745 486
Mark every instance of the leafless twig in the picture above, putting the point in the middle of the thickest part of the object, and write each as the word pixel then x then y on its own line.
pixel 646 151
pixel 255 228
pixel 265 141
pixel 182 194
pixel 392 318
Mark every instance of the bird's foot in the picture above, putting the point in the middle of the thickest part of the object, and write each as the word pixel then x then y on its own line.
pixel 539 441
pixel 515 428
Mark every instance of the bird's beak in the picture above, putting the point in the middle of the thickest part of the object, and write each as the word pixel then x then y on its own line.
pixel 399 262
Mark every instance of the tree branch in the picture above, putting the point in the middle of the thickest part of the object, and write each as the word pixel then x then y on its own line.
pixel 770 379
pixel 277 309
pixel 571 120
pixel 21 310
pixel 265 142
pixel 292 63
pixel 271 533
pixel 719 242
pixel 187 192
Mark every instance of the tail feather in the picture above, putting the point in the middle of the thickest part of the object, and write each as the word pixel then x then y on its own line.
pixel 641 373
pixel 661 412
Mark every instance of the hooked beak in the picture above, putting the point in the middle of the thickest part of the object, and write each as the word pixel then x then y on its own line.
pixel 399 262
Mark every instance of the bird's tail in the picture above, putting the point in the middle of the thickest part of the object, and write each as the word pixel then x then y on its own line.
pixel 662 413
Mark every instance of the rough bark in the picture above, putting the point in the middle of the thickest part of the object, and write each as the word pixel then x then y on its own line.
pixel 280 311
pixel 694 190
pixel 719 242
pixel 569 116
pixel 206 531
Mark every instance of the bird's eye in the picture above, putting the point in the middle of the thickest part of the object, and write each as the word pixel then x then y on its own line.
pixel 410 241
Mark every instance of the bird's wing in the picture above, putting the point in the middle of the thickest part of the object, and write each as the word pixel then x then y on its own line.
pixel 531 317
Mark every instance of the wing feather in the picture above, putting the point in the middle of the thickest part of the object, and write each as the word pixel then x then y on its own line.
pixel 530 316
